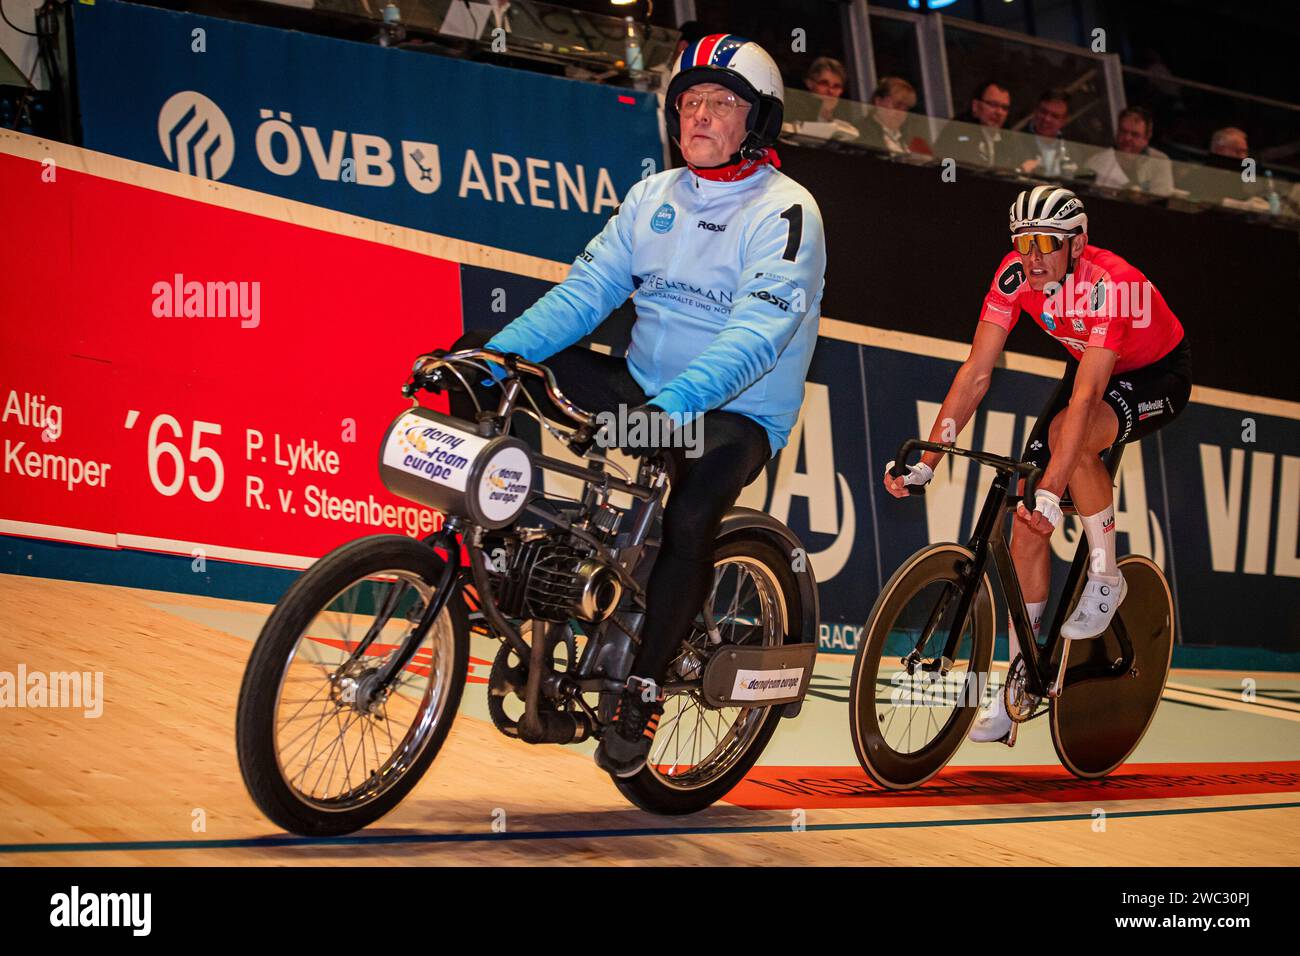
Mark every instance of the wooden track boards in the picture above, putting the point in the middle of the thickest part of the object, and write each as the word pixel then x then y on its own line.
pixel 163 749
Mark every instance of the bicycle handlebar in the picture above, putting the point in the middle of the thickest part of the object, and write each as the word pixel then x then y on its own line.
pixel 1031 473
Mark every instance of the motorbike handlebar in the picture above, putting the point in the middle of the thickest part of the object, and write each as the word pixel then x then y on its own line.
pixel 427 374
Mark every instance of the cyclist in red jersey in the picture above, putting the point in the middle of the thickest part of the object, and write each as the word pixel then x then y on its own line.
pixel 1130 375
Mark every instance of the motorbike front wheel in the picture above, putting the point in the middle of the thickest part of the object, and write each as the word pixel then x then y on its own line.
pixel 322 751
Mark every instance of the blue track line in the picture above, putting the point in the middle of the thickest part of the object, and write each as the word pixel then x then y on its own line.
pixel 433 838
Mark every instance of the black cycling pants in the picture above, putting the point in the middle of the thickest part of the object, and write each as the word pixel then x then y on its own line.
pixel 734 449
pixel 1144 400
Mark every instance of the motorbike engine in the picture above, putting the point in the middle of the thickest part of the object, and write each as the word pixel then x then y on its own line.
pixel 556 577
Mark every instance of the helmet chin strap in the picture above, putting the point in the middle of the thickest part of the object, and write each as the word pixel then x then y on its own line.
pixel 1072 259
pixel 750 148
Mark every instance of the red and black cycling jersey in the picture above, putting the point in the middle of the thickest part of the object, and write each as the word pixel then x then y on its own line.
pixel 1106 302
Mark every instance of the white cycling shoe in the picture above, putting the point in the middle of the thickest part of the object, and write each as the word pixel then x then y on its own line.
pixel 1095 610
pixel 994 725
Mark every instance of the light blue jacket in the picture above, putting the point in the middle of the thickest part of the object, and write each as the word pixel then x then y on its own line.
pixel 728 284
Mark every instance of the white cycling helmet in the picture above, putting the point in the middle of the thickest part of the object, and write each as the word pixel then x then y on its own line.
pixel 743 67
pixel 1049 208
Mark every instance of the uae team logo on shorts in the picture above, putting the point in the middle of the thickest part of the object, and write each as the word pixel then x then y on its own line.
pixel 663 218
pixel 1147 409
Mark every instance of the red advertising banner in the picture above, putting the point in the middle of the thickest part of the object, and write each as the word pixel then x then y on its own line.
pixel 175 374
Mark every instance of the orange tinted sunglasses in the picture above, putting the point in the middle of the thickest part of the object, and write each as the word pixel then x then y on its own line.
pixel 1046 242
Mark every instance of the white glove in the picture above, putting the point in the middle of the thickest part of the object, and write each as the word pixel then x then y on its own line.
pixel 918 474
pixel 1049 505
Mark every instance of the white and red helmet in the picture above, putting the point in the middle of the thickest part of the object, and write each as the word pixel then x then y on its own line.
pixel 743 67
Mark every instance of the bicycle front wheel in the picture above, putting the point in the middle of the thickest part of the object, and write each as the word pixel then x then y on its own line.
pixel 911 699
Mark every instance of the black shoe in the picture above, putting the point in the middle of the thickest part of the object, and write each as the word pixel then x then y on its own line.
pixel 626 744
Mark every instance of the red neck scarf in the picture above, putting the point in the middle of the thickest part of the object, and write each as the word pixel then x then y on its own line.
pixel 733 172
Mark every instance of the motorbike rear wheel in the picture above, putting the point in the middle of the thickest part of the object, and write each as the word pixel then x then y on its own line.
pixel 700 753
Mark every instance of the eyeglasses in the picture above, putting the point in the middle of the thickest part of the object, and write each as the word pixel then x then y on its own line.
pixel 722 103
pixel 1000 107
pixel 1046 242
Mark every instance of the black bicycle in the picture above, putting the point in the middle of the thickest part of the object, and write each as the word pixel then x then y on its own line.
pixel 922 669
pixel 355 679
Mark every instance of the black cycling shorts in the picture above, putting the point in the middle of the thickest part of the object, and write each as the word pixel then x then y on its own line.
pixel 1143 399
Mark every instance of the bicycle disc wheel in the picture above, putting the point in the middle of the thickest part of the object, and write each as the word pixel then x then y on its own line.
pixel 907 725
pixel 1098 723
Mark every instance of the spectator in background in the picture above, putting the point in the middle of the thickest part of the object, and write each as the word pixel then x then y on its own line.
pixel 1050 158
pixel 1231 143
pixel 1223 178
pixel 887 128
pixel 1133 163
pixel 828 79
pixel 977 137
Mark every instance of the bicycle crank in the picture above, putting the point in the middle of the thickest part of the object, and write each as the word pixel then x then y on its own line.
pixel 1019 702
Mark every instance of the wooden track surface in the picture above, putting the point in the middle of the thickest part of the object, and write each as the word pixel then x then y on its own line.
pixel 163 749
